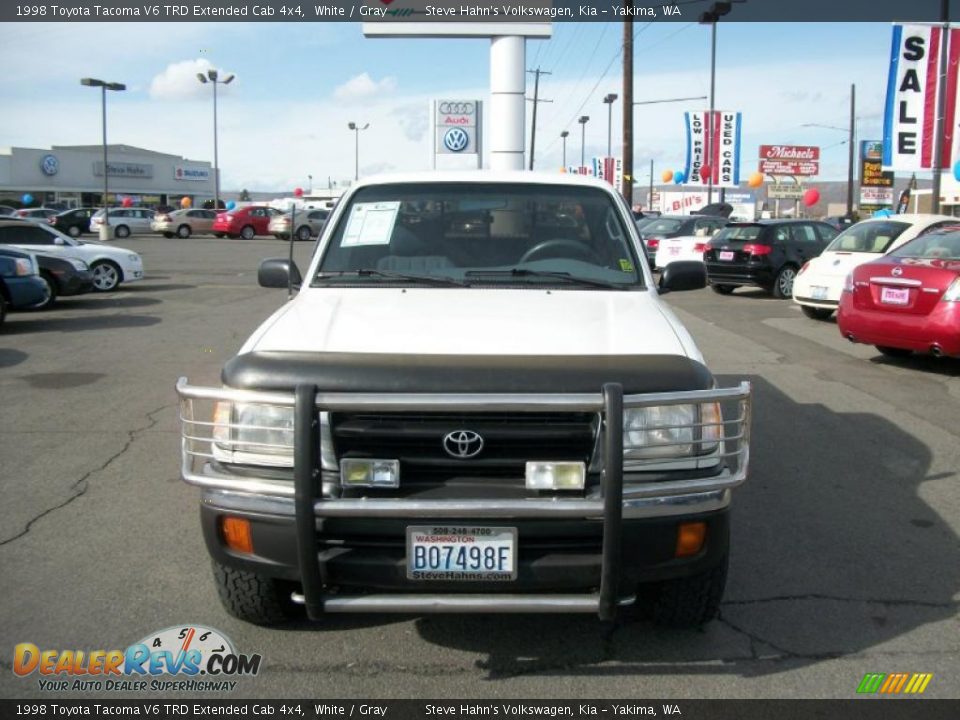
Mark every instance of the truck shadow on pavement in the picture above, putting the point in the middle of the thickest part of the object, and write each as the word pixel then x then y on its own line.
pixel 42 322
pixel 833 553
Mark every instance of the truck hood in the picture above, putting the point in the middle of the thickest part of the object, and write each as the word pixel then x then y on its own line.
pixel 440 321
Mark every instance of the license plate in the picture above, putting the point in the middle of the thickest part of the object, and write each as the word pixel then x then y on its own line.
pixel 818 292
pixel 726 255
pixel 674 251
pixel 894 296
pixel 447 552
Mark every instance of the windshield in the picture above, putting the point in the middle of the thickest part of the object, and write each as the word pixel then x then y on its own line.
pixel 868 237
pixel 664 226
pixel 485 233
pixel 938 245
pixel 746 233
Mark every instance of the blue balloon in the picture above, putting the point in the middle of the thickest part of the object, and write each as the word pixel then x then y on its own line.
pixel 231 205
pixel 27 198
pixel 884 212
pixel 956 170
pixel 679 177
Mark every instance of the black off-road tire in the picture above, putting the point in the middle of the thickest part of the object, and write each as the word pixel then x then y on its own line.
pixel 253 598
pixel 691 601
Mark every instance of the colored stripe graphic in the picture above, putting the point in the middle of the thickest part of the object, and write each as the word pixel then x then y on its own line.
pixel 891 95
pixel 894 683
pixel 870 683
pixel 930 99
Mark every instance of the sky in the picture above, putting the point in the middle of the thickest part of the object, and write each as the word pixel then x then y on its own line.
pixel 298 85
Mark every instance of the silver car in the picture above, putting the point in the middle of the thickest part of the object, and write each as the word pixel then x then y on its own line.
pixel 309 224
pixel 184 223
pixel 124 221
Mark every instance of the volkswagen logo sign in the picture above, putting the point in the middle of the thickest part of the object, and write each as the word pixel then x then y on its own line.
pixel 49 164
pixel 897 271
pixel 456 139
pixel 456 108
pixel 462 444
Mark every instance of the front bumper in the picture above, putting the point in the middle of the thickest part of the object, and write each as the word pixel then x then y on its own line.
pixel 575 554
pixel 77 283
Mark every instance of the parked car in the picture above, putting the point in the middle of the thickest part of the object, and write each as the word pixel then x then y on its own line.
pixel 74 222
pixel 246 222
pixel 908 300
pixel 765 254
pixel 840 222
pixel 6 210
pixel 309 224
pixel 670 226
pixel 551 410
pixel 690 246
pixel 63 276
pixel 819 283
pixel 183 223
pixel 20 283
pixel 109 264
pixel 41 214
pixel 124 221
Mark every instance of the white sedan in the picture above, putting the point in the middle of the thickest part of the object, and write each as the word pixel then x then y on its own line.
pixel 688 247
pixel 111 265
pixel 819 284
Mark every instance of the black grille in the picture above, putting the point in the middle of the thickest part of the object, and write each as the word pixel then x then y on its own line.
pixel 509 440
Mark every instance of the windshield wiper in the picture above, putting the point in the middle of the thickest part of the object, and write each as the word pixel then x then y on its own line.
pixel 565 276
pixel 389 275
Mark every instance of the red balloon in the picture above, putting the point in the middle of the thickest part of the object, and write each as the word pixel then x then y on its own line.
pixel 705 172
pixel 127 202
pixel 298 192
pixel 811 197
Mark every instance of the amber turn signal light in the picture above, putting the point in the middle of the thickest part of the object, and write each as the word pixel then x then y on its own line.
pixel 690 537
pixel 237 534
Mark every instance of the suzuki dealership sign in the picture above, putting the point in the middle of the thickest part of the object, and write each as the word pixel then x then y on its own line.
pixel 789 160
pixel 188 172
pixel 457 128
pixel 713 139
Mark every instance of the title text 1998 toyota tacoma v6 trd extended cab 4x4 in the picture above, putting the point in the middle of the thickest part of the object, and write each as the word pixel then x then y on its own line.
pixel 476 402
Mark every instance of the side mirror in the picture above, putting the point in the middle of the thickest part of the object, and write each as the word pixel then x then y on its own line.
pixel 58 241
pixel 683 275
pixel 278 273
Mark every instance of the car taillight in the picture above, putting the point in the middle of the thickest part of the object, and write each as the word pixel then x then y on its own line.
pixel 848 283
pixel 653 243
pixel 953 292
pixel 702 247
pixel 757 249
pixel 803 269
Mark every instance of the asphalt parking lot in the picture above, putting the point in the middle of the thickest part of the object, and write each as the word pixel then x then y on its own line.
pixel 845 551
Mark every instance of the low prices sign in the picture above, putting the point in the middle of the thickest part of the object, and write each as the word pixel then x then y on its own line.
pixel 713 140
pixel 789 160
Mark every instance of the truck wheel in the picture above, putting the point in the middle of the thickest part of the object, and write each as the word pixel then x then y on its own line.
pixel 691 601
pixel 254 598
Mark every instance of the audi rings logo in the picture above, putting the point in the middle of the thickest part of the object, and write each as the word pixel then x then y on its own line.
pixel 456 139
pixel 462 444
pixel 456 108
pixel 897 272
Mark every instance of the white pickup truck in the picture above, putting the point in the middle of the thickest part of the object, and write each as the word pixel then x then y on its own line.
pixel 475 402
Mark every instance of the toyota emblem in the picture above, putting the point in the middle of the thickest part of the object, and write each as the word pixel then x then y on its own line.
pixel 897 271
pixel 462 444
pixel 456 108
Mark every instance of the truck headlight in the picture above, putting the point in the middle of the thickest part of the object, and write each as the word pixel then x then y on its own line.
pixel 255 434
pixel 671 431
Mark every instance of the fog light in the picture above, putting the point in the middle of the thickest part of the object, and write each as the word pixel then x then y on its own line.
pixel 690 537
pixel 237 534
pixel 363 472
pixel 555 475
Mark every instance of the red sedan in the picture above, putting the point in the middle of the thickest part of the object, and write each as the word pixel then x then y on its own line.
pixel 907 301
pixel 245 222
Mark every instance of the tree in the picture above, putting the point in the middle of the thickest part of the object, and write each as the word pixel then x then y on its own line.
pixel 244 195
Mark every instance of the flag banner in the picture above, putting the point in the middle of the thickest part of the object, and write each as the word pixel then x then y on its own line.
pixel 609 169
pixel 910 124
pixel 713 139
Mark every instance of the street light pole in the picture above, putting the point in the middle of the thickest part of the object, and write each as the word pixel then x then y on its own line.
pixel 853 120
pixel 356 147
pixel 212 76
pixel 608 101
pixel 563 136
pixel 104 86
pixel 584 119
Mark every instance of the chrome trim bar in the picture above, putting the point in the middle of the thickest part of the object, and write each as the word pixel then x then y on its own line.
pixel 905 282
pixel 465 603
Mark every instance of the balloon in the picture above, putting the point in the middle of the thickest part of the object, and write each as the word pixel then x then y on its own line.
pixel 755 180
pixel 666 175
pixel 956 170
pixel 231 205
pixel 811 197
pixel 563 169
pixel 127 202
pixel 298 192
pixel 705 172
pixel 185 202
pixel 883 212
pixel 679 177
pixel 27 198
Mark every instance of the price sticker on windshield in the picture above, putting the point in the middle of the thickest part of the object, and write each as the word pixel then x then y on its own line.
pixel 370 224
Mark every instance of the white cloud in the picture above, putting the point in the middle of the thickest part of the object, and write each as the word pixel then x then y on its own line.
pixel 361 87
pixel 414 118
pixel 179 80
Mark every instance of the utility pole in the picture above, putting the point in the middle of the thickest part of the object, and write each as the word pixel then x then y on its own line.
pixel 536 100
pixel 627 189
pixel 650 196
pixel 850 142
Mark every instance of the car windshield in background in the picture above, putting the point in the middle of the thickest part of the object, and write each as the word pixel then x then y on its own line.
pixel 484 233
pixel 868 237
pixel 663 225
pixel 734 233
pixel 935 246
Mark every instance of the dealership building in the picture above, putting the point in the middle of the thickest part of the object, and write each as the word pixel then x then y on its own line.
pixel 73 175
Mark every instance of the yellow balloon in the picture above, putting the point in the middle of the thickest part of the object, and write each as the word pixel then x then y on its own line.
pixel 756 180
pixel 666 175
pixel 185 202
pixel 563 169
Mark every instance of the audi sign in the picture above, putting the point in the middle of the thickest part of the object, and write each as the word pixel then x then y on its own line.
pixel 457 128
